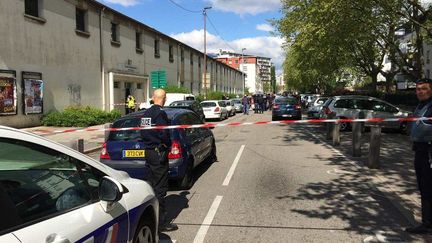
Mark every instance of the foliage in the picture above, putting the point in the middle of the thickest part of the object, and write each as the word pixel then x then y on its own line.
pixel 175 89
pixel 215 95
pixel 78 116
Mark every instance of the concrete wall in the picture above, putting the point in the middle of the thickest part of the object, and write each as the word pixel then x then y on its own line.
pixel 82 68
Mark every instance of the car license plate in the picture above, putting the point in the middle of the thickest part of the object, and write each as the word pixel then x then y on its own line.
pixel 133 153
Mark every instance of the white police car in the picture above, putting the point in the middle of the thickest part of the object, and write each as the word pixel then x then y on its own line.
pixel 50 193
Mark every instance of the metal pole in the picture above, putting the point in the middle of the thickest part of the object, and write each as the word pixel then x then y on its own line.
pixel 374 147
pixel 205 49
pixel 80 145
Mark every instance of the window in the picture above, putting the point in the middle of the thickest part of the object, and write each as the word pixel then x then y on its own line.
pixel 156 48
pixel 116 85
pixel 127 85
pixel 191 58
pixel 138 40
pixel 182 55
pixel 32 7
pixel 344 103
pixel 171 54
pixel 199 61
pixel 114 32
pixel 139 86
pixel 80 19
pixel 236 61
pixel 38 182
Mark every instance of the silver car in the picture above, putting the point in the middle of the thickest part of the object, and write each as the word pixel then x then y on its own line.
pixel 316 106
pixel 238 105
pixel 354 106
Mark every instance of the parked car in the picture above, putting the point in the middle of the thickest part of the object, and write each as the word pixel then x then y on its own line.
pixel 214 109
pixel 51 193
pixel 286 107
pixel 238 106
pixel 230 107
pixel 193 105
pixel 171 97
pixel 354 106
pixel 189 147
pixel 316 106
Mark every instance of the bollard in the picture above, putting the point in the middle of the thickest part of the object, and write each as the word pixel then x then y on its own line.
pixel 374 147
pixel 356 139
pixel 80 145
pixel 329 127
pixel 336 134
pixel 106 127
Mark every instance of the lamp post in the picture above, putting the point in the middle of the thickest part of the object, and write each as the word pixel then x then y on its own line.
pixel 242 62
pixel 205 49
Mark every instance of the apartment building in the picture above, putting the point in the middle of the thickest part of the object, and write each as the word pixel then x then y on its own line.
pixel 58 53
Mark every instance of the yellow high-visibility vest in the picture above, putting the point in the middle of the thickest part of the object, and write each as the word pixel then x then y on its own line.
pixel 131 102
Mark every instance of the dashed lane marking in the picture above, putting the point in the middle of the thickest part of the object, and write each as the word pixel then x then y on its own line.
pixel 233 167
pixel 199 238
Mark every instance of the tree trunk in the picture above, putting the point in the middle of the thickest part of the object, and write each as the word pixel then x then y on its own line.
pixel 374 77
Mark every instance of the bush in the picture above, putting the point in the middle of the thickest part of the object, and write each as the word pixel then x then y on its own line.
pixel 77 116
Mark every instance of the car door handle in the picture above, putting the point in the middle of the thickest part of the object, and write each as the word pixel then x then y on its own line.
pixel 55 238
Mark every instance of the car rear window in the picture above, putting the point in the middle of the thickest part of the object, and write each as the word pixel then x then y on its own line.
pixel 208 104
pixel 126 135
pixel 237 101
pixel 286 100
pixel 177 103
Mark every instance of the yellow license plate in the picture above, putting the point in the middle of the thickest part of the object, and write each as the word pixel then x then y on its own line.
pixel 133 153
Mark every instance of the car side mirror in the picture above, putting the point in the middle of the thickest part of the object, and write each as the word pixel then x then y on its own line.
pixel 110 191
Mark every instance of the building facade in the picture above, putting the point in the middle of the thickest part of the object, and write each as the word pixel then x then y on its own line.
pixel 60 53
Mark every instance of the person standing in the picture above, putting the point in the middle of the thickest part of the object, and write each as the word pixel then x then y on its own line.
pixel 421 135
pixel 130 103
pixel 157 143
pixel 245 102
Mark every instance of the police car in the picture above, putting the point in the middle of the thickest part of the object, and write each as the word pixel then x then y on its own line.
pixel 51 193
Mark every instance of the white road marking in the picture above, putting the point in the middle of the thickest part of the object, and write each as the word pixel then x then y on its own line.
pixel 233 167
pixel 199 237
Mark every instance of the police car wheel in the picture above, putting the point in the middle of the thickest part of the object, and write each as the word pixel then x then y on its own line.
pixel 144 233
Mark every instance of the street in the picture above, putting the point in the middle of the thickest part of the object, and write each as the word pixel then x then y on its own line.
pixel 281 183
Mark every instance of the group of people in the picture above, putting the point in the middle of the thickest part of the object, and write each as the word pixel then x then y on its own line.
pixel 257 102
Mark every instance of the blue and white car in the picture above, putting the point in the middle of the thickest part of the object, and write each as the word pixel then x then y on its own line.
pixel 51 193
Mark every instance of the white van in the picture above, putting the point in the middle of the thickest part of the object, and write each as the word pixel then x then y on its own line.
pixel 171 97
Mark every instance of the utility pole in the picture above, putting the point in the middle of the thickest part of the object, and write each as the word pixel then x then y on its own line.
pixel 243 76
pixel 205 49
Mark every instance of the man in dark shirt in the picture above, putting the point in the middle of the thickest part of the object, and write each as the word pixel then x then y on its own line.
pixel 156 144
pixel 421 135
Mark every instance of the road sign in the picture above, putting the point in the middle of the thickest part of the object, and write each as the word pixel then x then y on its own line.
pixel 158 79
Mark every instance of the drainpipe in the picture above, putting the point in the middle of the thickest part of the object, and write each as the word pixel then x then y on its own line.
pixel 102 67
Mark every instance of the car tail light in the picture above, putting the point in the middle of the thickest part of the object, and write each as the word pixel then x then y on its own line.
pixel 104 152
pixel 176 150
pixel 298 107
pixel 217 109
pixel 275 106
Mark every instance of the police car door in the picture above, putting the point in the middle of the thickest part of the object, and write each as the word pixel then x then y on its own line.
pixel 56 197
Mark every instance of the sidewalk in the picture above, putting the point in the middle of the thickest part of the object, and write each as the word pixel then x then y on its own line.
pixel 396 176
pixel 92 140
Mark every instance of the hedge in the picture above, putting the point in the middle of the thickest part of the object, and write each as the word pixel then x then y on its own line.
pixel 78 116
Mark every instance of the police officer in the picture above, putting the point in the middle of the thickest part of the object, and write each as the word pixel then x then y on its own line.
pixel 156 145
pixel 421 135
pixel 130 102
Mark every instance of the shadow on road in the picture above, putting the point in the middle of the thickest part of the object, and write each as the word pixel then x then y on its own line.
pixel 350 196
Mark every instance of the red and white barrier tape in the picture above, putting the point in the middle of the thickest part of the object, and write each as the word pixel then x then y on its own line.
pixel 233 124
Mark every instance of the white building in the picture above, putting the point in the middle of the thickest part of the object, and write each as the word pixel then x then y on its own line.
pixel 88 54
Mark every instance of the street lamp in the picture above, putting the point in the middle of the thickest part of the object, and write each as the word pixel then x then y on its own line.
pixel 205 49
pixel 241 69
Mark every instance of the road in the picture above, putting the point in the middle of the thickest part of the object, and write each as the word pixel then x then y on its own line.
pixel 280 183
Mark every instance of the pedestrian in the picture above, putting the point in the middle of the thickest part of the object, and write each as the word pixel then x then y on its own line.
pixel 157 143
pixel 245 102
pixel 260 104
pixel 130 104
pixel 421 135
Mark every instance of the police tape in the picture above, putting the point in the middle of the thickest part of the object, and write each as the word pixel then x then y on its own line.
pixel 234 124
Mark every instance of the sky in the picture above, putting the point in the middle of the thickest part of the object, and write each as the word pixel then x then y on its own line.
pixel 231 24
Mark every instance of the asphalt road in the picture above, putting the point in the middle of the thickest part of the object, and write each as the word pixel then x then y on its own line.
pixel 280 183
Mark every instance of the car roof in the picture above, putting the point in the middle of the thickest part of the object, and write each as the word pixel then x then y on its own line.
pixel 211 101
pixel 183 101
pixel 354 97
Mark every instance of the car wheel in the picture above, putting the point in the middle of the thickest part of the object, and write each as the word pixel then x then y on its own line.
pixel 144 232
pixel 403 128
pixel 213 156
pixel 187 181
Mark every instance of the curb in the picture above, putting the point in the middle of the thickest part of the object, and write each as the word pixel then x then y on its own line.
pixel 91 150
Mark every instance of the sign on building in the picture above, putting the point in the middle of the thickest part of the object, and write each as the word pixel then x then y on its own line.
pixel 33 92
pixel 158 79
pixel 8 93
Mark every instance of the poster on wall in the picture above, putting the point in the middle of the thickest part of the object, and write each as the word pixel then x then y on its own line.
pixel 33 96
pixel 33 89
pixel 8 101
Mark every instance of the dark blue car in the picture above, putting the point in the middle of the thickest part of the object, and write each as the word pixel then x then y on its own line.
pixel 286 108
pixel 124 149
